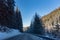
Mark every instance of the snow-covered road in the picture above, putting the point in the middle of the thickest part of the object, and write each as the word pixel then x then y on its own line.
pixel 25 36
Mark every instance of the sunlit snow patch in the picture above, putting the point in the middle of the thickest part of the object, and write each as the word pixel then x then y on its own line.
pixel 13 32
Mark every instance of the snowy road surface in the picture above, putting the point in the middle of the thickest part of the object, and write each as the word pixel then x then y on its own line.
pixel 25 37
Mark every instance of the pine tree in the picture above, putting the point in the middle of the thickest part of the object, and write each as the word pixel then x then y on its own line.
pixel 7 13
pixel 3 13
pixel 11 4
pixel 37 27
pixel 19 24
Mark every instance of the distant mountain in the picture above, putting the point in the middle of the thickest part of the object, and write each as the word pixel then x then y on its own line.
pixel 25 28
pixel 51 19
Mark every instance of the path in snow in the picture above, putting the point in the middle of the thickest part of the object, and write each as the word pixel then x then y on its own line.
pixel 25 37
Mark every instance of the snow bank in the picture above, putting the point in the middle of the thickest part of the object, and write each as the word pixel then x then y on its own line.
pixel 4 35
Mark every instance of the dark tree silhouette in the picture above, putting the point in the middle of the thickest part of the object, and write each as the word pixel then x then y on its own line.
pixel 36 26
pixel 11 4
pixel 19 24
pixel 3 13
pixel 8 16
pixel 7 13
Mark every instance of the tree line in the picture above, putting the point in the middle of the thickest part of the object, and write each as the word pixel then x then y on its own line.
pixel 9 16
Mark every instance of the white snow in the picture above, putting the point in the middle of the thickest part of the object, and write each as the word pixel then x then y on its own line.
pixel 13 32
pixel 25 36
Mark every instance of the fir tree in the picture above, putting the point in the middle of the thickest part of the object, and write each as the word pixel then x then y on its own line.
pixel 19 24
pixel 37 26
pixel 11 4
pixel 3 13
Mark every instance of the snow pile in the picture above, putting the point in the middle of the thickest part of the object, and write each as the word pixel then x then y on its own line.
pixel 4 29
pixel 25 36
pixel 11 33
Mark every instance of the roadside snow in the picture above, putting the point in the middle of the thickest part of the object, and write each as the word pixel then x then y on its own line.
pixel 4 35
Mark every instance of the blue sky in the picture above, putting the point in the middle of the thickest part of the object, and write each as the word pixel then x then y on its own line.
pixel 29 7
